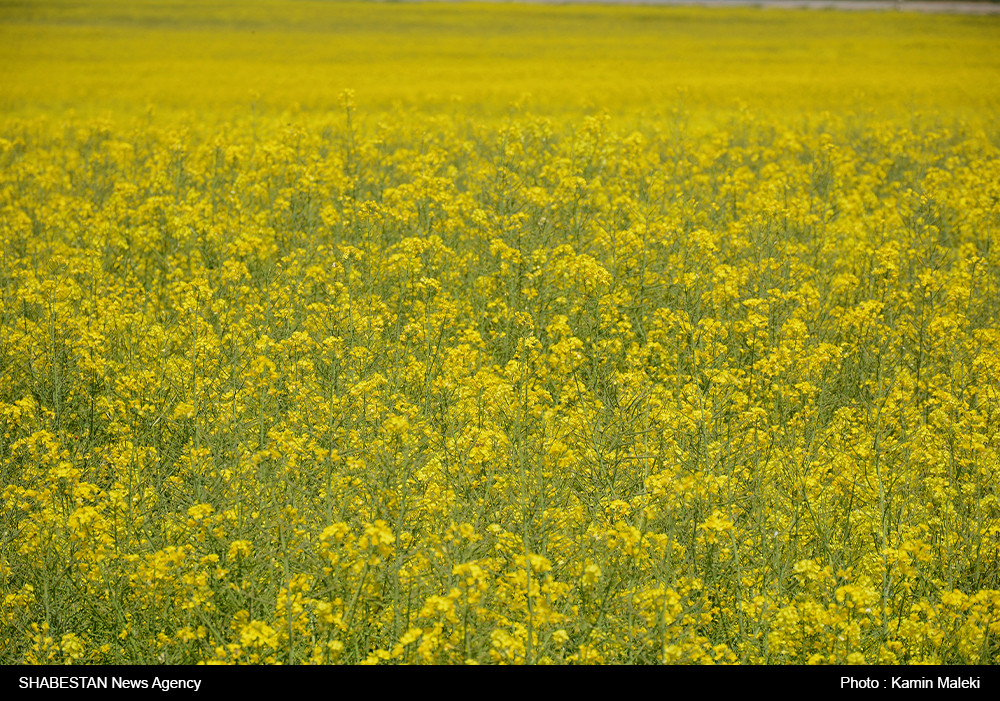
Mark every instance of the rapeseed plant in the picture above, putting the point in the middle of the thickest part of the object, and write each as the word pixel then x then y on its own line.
pixel 541 385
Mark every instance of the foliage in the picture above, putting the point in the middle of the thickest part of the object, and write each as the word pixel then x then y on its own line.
pixel 304 388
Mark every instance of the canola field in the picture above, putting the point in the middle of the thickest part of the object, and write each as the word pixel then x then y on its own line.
pixel 444 333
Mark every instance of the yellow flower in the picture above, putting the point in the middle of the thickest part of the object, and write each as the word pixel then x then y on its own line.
pixel 715 525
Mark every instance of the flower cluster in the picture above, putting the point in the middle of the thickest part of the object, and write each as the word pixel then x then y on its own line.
pixel 538 390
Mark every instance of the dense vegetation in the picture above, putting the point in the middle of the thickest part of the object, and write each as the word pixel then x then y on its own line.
pixel 645 374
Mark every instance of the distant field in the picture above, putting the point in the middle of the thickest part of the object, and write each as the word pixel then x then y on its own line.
pixel 209 56
pixel 342 333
